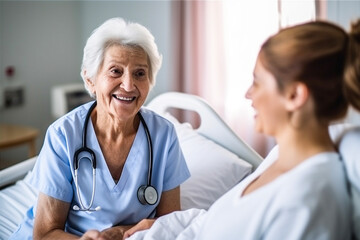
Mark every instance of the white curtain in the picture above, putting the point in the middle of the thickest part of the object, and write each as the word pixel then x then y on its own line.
pixel 247 25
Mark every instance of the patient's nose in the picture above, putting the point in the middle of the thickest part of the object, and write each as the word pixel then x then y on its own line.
pixel 248 93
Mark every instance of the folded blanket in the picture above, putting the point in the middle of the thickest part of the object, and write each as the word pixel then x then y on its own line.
pixel 178 225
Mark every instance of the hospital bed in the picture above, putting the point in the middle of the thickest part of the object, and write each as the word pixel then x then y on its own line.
pixel 217 159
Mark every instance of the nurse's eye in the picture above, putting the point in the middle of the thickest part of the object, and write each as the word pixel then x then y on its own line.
pixel 140 73
pixel 116 72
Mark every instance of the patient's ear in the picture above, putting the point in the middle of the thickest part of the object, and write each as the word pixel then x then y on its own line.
pixel 297 95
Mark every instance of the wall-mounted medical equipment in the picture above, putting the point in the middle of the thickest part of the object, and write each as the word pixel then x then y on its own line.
pixel 66 97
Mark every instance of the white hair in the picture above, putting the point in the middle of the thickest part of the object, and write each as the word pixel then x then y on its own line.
pixel 116 30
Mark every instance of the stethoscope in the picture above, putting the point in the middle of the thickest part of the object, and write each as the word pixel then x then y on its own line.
pixel 146 194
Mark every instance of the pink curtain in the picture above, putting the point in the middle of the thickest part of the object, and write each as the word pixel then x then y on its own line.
pixel 200 61
pixel 321 9
pixel 199 50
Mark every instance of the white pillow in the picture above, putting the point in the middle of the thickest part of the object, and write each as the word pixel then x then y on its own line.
pixel 214 169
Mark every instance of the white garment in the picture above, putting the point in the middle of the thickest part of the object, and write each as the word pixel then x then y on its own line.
pixel 309 202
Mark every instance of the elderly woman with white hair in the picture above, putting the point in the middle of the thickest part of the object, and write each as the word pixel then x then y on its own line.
pixel 110 164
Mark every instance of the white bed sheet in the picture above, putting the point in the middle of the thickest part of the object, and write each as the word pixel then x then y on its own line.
pixel 15 200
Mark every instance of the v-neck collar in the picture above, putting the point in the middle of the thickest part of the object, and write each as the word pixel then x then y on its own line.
pixel 102 169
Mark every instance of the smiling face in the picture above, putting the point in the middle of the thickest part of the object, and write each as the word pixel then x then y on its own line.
pixel 122 83
pixel 267 101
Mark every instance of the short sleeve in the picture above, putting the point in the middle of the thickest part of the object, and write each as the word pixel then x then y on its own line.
pixel 52 174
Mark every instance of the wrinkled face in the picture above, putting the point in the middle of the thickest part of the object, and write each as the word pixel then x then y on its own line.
pixel 267 101
pixel 122 82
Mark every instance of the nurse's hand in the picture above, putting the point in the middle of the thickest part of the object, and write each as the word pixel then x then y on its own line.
pixel 108 234
pixel 114 233
pixel 142 225
pixel 91 235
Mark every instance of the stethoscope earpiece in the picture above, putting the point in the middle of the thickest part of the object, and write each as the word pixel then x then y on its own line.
pixel 146 194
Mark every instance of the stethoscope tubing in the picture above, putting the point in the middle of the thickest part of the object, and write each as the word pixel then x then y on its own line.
pixel 150 147
pixel 83 208
pixel 84 148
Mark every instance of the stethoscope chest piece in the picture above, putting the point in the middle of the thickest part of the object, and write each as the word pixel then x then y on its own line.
pixel 147 195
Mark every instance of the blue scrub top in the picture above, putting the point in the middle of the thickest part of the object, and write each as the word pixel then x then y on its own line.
pixel 53 173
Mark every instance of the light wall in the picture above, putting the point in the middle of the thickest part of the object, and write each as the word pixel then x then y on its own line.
pixel 343 11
